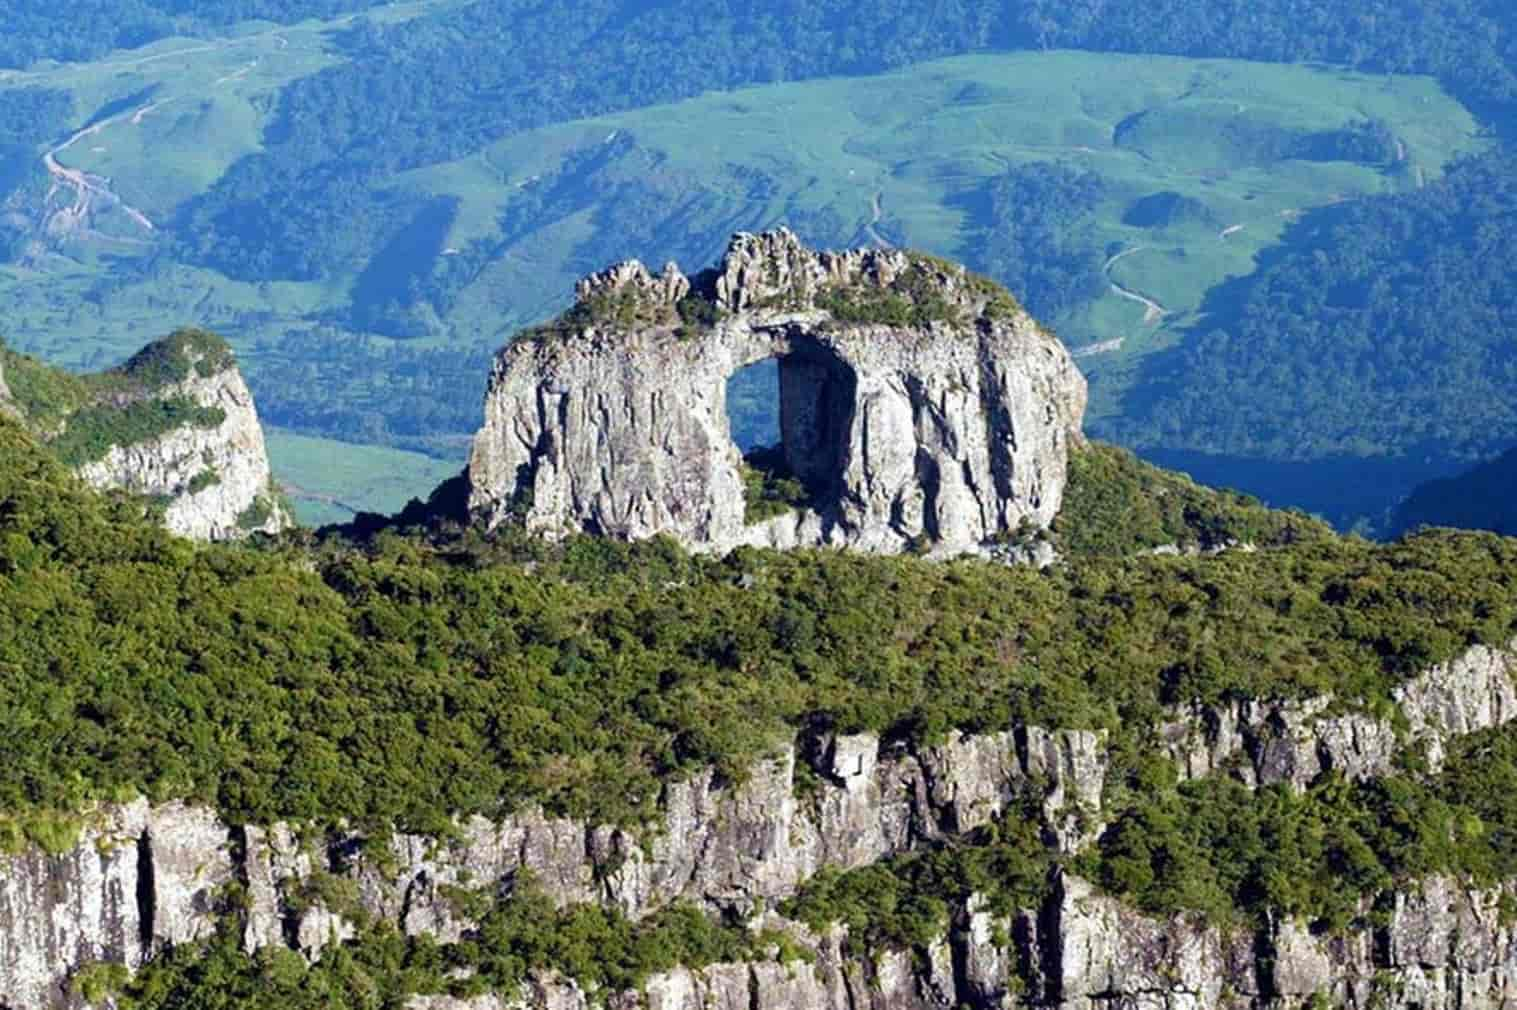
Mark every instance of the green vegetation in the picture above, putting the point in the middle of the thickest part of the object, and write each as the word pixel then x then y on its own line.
pixel 1212 847
pixel 177 357
pixel 769 487
pixel 46 395
pixel 409 682
pixel 331 482
pixel 368 230
pixel 92 28
pixel 1116 505
pixel 1216 847
pixel 598 948
pixel 422 273
pixel 258 512
pixel 83 416
pixel 206 478
pixel 1379 329
pixel 90 432
pixel 94 983
pixel 916 297
pixel 1037 236
pixel 905 901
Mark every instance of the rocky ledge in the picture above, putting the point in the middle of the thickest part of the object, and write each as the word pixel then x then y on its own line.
pixel 920 406
pixel 209 467
pixel 143 878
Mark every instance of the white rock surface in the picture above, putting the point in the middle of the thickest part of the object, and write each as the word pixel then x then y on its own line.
pixel 233 451
pixel 944 435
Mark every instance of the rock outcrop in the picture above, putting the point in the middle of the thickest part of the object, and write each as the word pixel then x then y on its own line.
pixel 177 424
pixel 1293 742
pixel 1440 947
pixel 7 402
pixel 919 405
pixel 216 479
pixel 143 878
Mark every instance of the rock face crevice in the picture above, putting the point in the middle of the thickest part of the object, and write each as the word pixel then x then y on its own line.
pixel 919 404
pixel 143 878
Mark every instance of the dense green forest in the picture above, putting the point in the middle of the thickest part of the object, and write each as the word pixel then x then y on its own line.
pixel 1034 236
pixel 408 682
pixel 400 681
pixel 1380 327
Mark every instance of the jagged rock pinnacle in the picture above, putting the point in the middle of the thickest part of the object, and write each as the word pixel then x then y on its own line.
pixel 920 406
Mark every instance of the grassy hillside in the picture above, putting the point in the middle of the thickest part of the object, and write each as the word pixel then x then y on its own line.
pixel 379 348
pixel 330 482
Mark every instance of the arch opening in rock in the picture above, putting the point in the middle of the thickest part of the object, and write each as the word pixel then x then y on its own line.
pixel 753 405
pixel 790 416
pixel 916 403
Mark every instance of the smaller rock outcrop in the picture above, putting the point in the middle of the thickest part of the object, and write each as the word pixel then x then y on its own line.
pixel 8 407
pixel 1292 742
pixel 176 424
pixel 920 406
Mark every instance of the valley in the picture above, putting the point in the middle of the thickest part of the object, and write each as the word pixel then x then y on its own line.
pixel 904 159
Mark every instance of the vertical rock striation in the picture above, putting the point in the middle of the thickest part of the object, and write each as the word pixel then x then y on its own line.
pixel 214 478
pixel 919 405
pixel 143 878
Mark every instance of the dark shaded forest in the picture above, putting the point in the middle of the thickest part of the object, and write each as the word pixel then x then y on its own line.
pixel 1380 327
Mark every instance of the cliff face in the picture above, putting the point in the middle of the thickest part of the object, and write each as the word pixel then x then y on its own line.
pixel 919 406
pixel 1442 947
pixel 175 423
pixel 7 406
pixel 216 478
pixel 143 878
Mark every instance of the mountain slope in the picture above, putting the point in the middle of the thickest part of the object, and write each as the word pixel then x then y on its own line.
pixel 373 700
pixel 1484 498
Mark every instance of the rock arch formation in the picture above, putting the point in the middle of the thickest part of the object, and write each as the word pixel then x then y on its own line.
pixel 920 405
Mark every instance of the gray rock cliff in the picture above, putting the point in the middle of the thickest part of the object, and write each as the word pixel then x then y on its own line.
pixel 919 405
pixel 215 478
pixel 7 403
pixel 143 878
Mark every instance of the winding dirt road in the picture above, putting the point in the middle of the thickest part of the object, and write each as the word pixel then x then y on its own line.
pixel 1152 310
pixel 89 190
pixel 878 209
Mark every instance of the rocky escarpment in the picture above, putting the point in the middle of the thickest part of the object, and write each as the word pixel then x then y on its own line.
pixel 1441 946
pixel 176 424
pixel 143 878
pixel 7 404
pixel 919 405
pixel 215 478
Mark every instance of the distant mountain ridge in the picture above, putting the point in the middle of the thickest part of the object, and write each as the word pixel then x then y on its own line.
pixel 1484 498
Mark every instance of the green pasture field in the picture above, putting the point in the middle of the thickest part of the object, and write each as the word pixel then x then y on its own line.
pixel 898 157
pixel 921 140
pixel 330 481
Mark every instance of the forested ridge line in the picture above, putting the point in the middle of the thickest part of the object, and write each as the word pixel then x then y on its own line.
pixel 415 680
